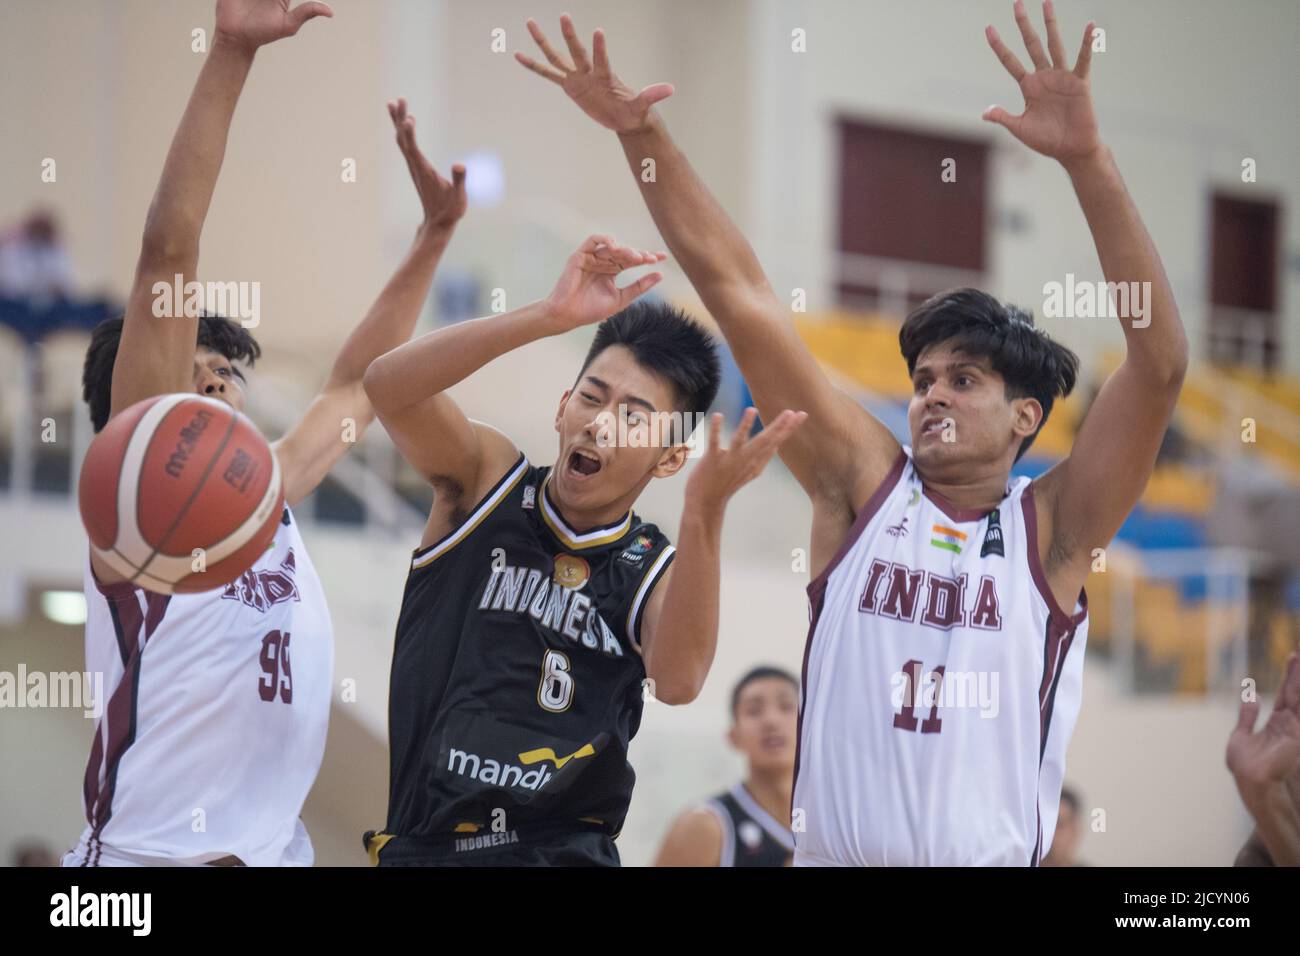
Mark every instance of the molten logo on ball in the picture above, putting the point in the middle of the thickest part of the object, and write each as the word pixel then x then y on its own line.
pixel 177 475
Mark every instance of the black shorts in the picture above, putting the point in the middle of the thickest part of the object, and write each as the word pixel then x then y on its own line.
pixel 521 846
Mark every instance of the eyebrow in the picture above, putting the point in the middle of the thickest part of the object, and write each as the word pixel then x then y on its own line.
pixel 951 366
pixel 631 399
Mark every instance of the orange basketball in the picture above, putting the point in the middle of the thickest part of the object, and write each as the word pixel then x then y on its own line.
pixel 180 493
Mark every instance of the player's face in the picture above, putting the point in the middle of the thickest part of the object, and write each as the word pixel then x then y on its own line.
pixel 613 432
pixel 766 723
pixel 215 376
pixel 959 414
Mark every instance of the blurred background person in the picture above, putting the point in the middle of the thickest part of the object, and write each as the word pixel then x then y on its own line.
pixel 1069 831
pixel 34 265
pixel 747 825
pixel 34 853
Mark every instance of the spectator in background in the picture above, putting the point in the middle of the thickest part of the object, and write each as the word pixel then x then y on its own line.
pixel 748 825
pixel 1266 766
pixel 1069 831
pixel 34 266
pixel 34 853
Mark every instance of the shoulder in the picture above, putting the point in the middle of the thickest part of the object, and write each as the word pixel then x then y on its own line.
pixel 694 839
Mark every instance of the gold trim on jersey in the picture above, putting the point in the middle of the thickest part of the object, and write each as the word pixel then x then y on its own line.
pixel 572 539
pixel 485 508
pixel 376 843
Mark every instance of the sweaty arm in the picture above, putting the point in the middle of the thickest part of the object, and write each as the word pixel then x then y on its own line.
pixel 679 634
pixel 156 352
pixel 845 452
pixel 461 458
pixel 1086 497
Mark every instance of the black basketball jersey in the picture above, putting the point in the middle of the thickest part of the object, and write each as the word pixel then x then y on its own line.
pixel 750 835
pixel 517 673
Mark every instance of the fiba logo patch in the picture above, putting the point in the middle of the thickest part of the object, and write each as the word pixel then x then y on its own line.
pixel 636 551
pixel 750 834
pixel 993 538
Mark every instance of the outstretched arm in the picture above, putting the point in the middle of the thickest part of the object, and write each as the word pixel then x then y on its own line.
pixel 316 442
pixel 156 354
pixel 840 460
pixel 1088 495
pixel 407 385
pixel 679 635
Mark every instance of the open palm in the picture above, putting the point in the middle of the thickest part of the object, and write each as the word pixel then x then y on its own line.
pixel 1058 120
pixel 254 23
pixel 586 291
pixel 1270 756
pixel 590 83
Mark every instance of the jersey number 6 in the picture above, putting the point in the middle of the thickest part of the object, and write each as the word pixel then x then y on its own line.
pixel 555 690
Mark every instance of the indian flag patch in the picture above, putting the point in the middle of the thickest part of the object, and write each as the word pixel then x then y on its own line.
pixel 948 539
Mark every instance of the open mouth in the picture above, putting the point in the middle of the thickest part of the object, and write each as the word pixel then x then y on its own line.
pixel 583 464
pixel 934 426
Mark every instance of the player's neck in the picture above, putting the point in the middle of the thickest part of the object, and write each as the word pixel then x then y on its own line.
pixel 772 791
pixel 968 492
pixel 583 520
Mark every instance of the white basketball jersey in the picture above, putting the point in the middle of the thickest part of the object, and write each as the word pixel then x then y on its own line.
pixel 941 685
pixel 215 723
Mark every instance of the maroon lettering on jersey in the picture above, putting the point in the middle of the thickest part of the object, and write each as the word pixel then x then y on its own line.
pixel 874 574
pixel 262 589
pixel 987 615
pixel 942 599
pixel 901 594
pixel 944 608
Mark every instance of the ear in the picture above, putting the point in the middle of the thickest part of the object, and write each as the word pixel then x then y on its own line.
pixel 1026 416
pixel 672 462
pixel 559 412
pixel 731 737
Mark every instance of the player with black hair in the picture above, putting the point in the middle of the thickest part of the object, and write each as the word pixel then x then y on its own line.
pixel 747 825
pixel 943 669
pixel 538 604
pixel 214 730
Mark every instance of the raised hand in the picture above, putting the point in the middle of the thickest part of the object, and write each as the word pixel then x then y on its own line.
pixel 1269 758
pixel 254 23
pixel 444 202
pixel 590 83
pixel 1058 120
pixel 724 471
pixel 586 292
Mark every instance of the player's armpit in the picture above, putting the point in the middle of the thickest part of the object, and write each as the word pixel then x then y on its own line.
pixel 694 839
pixel 1084 499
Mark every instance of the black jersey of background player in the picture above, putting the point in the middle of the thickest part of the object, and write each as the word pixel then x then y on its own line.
pixel 517 673
pixel 750 835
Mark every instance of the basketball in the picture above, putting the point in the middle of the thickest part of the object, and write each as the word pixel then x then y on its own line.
pixel 180 493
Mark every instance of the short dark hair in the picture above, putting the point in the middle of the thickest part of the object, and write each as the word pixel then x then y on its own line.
pixel 1071 799
pixel 974 322
pixel 759 673
pixel 217 333
pixel 669 343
